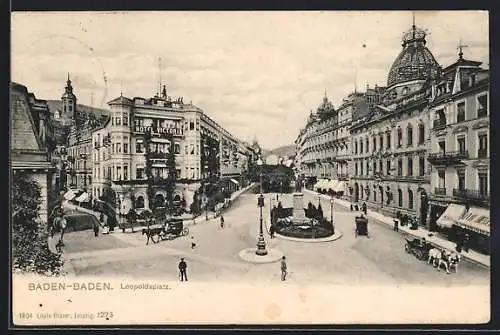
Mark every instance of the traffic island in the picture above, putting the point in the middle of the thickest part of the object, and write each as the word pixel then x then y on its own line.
pixel 249 255
pixel 338 234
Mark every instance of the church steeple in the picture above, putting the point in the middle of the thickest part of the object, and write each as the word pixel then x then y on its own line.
pixel 68 99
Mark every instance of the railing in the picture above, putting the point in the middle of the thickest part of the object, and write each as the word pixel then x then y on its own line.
pixel 439 124
pixel 471 194
pixel 450 155
pixel 342 176
pixel 440 191
pixel 158 155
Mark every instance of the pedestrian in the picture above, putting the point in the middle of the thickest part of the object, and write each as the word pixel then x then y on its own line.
pixel 283 268
pixel 466 242
pixel 352 207
pixel 396 225
pixel 96 229
pixel 183 270
pixel 271 230
pixel 460 242
pixel 193 243
pixel 364 208
pixel 222 222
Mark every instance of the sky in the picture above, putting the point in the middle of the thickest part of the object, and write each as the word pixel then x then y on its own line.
pixel 259 74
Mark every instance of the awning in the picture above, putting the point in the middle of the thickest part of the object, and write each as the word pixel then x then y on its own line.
pixel 234 181
pixel 450 215
pixel 84 197
pixel 476 219
pixel 332 184
pixel 159 140
pixel 340 187
pixel 70 195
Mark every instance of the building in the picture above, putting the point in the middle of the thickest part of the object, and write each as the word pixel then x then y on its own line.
pixel 31 141
pixel 150 144
pixel 74 123
pixel 459 152
pixel 324 145
pixel 390 169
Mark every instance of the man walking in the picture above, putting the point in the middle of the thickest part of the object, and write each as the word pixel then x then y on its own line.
pixel 283 268
pixel 193 242
pixel 183 270
pixel 222 222
pixel 466 242
pixel 364 208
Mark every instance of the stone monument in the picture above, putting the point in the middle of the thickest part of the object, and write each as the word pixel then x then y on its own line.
pixel 299 214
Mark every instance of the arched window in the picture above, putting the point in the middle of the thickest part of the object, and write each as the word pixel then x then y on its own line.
pixel 139 202
pixel 400 137
pixel 400 198
pixel 421 133
pixel 374 193
pixel 360 146
pixel 410 199
pixel 409 134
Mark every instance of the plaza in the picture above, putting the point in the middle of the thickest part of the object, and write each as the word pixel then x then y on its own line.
pixel 378 260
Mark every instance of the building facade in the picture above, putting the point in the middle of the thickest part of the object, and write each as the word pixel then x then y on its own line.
pixel 149 143
pixel 459 152
pixel 31 141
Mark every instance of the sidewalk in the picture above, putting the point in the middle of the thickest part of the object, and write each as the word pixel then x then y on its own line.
pixel 472 255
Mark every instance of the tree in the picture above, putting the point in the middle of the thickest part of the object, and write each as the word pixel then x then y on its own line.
pixel 30 250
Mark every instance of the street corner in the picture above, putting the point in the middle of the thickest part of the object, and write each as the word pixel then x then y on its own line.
pixel 249 255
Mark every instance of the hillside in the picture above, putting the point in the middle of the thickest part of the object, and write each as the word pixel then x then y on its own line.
pixel 287 150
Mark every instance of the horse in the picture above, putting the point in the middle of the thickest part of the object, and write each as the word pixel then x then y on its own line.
pixel 453 261
pixel 151 232
pixel 60 223
pixel 434 256
pixel 444 260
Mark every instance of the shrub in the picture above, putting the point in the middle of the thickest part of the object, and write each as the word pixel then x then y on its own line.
pixel 30 250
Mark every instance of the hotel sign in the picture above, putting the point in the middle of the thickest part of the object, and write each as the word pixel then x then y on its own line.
pixel 158 130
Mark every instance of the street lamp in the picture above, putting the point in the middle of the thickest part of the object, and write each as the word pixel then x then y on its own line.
pixel 261 244
pixel 331 214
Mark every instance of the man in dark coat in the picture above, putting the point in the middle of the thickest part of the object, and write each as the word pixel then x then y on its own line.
pixel 183 270
pixel 466 242
pixel 284 270
pixel 364 208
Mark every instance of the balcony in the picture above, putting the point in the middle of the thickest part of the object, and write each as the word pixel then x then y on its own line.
pixel 439 124
pixel 447 158
pixel 471 194
pixel 440 191
pixel 157 155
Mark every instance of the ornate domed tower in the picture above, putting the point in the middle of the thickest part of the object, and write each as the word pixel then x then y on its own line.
pixel 68 100
pixel 414 65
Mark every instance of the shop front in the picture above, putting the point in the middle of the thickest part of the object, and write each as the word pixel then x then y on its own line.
pixel 476 223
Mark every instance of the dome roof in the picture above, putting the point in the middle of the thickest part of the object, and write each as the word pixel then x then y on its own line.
pixel 415 61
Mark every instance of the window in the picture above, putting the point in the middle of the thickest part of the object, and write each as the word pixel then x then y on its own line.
pixel 374 167
pixel 125 119
pixel 118 121
pixel 191 149
pixel 362 168
pixel 361 146
pixel 374 144
pixel 388 141
pixel 177 148
pixel 421 166
pixel 441 178
pixel 125 148
pixel 461 144
pixel 410 199
pixel 374 193
pixel 400 198
pixel 191 125
pixel 388 167
pixel 400 167
pixel 119 173
pixel 118 147
pixel 461 112
pixel 380 168
pixel 125 172
pixel 442 146
pixel 410 166
pixel 356 168
pixel 482 105
pixel 421 134
pixel 381 142
pixel 483 146
pixel 139 147
pixel 400 137
pixel 367 149
pixel 461 179
pixel 185 149
pixel 409 134
pixel 356 147
pixel 483 183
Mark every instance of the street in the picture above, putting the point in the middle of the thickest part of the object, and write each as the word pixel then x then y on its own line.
pixel 380 259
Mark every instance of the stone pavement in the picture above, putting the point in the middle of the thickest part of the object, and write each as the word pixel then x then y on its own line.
pixel 472 255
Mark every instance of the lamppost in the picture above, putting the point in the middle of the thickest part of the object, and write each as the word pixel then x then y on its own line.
pixel 261 244
pixel 331 214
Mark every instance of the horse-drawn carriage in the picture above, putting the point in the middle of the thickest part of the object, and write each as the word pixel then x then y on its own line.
pixel 418 247
pixel 361 227
pixel 168 230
